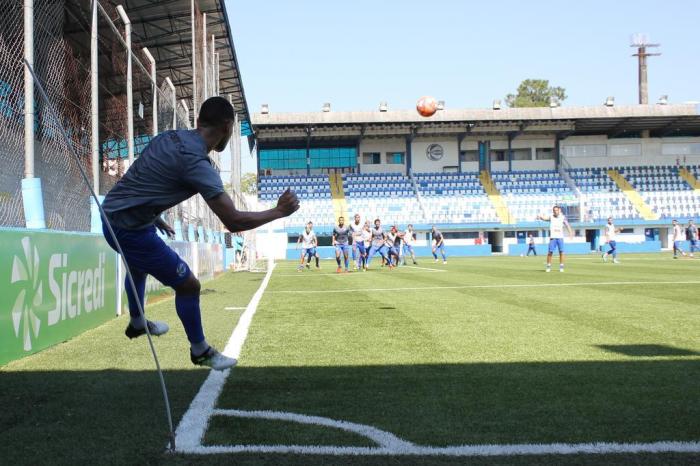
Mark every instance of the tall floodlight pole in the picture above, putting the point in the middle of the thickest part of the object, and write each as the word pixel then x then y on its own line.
pixel 641 43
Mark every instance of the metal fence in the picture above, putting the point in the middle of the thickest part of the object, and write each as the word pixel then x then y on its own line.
pixel 134 105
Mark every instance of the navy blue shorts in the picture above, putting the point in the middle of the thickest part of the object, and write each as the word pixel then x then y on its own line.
pixel 146 252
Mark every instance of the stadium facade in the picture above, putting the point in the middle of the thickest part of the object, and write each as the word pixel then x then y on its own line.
pixel 484 175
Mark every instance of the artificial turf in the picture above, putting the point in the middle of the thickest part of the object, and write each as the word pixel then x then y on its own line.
pixel 481 350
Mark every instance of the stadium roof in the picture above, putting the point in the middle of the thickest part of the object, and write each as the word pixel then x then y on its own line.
pixel 165 27
pixel 617 121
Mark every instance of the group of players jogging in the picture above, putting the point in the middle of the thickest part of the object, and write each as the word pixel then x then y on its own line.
pixel 361 242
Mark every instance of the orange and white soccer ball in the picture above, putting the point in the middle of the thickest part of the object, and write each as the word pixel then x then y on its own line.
pixel 427 106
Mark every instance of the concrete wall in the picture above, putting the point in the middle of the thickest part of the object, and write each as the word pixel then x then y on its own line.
pixel 650 151
pixel 421 162
pixel 382 146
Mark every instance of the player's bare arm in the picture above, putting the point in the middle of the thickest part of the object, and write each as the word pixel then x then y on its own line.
pixel 164 228
pixel 568 227
pixel 236 220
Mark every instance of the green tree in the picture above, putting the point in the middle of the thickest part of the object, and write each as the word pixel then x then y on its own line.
pixel 535 93
pixel 249 183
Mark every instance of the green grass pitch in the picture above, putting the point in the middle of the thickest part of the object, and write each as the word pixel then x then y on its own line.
pixel 477 351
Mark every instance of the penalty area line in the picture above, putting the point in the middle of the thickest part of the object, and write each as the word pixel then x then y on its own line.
pixel 513 285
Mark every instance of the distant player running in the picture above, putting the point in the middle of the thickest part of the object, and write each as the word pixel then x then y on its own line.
pixel 610 238
pixel 356 229
pixel 172 168
pixel 363 245
pixel 341 241
pixel 308 242
pixel 378 246
pixel 691 234
pixel 393 245
pixel 409 239
pixel 677 239
pixel 557 222
pixel 439 244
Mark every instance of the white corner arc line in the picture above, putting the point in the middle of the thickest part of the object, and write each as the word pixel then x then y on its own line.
pixel 512 285
pixel 190 431
pixel 391 445
pixel 383 438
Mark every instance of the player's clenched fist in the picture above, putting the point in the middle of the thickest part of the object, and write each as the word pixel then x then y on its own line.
pixel 288 203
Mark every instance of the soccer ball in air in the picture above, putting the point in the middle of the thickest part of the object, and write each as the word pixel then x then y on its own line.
pixel 426 106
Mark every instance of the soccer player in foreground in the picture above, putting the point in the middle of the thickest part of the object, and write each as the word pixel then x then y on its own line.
pixel 308 242
pixel 610 235
pixel 341 235
pixel 439 244
pixel 172 168
pixel 557 221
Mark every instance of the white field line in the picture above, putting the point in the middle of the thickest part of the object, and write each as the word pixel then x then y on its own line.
pixel 425 268
pixel 391 445
pixel 402 269
pixel 190 431
pixel 461 287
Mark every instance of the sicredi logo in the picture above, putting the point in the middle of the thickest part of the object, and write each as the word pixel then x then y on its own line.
pixel 434 152
pixel 25 270
pixel 73 291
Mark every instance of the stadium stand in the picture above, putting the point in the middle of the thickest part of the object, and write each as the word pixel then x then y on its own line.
pixel 313 190
pixel 389 196
pixel 459 198
pixel 454 198
pixel 663 189
pixel 533 192
pixel 600 196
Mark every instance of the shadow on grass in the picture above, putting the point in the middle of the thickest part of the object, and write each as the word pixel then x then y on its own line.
pixel 648 350
pixel 117 417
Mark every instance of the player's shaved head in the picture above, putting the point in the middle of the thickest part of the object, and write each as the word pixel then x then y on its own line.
pixel 215 122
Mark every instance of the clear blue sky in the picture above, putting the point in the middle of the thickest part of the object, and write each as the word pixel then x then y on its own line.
pixel 296 55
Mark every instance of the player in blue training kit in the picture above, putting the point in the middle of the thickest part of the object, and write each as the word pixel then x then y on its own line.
pixel 393 245
pixel 691 234
pixel 172 168
pixel 341 241
pixel 363 244
pixel 677 239
pixel 557 222
pixel 378 246
pixel 439 245
pixel 531 245
pixel 308 242
pixel 356 228
pixel 611 240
